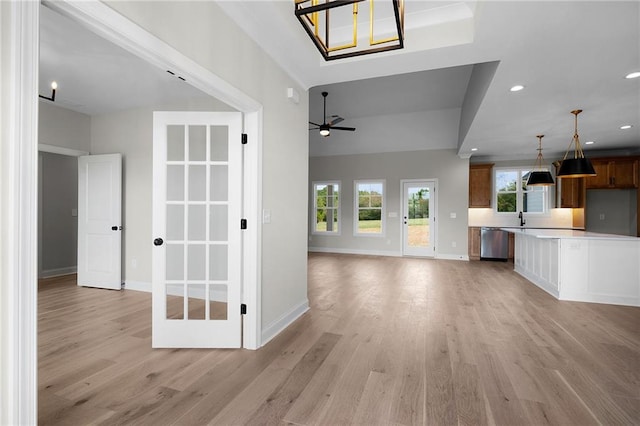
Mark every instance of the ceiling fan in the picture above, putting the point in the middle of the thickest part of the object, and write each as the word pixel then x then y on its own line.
pixel 325 128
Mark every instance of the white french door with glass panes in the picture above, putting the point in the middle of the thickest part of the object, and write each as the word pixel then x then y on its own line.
pixel 418 218
pixel 197 196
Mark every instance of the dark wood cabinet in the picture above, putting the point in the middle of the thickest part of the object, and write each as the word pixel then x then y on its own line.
pixel 571 192
pixel 480 185
pixel 616 173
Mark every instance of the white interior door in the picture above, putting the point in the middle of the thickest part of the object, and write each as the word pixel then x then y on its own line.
pixel 99 221
pixel 197 196
pixel 418 218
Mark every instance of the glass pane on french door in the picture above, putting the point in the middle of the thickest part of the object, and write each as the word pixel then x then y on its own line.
pixel 197 203
pixel 197 290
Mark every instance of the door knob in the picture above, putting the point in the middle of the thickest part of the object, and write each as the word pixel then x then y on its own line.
pixel 158 242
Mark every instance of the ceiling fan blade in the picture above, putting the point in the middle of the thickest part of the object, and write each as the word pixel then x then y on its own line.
pixel 351 129
pixel 315 124
pixel 336 120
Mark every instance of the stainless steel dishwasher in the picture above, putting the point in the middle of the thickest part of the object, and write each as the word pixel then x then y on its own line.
pixel 494 244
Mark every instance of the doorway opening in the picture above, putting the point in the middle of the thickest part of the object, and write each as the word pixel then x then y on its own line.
pixel 419 205
pixel 57 211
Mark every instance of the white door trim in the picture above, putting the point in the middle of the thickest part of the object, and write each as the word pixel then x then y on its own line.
pixel 53 149
pixel 19 212
pixel 18 187
pixel 432 214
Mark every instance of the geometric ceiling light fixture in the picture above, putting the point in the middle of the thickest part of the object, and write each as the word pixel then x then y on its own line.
pixel 333 26
pixel 52 98
pixel 579 165
pixel 539 175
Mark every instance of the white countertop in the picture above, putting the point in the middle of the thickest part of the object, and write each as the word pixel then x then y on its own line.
pixel 567 233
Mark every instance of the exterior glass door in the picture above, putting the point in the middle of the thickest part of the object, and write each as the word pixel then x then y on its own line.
pixel 418 225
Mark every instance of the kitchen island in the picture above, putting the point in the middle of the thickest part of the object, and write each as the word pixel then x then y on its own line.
pixel 580 266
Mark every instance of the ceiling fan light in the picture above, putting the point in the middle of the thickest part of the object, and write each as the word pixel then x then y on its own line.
pixel 324 132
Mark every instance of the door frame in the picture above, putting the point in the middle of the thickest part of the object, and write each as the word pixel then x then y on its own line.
pixel 51 149
pixel 432 214
pixel 18 190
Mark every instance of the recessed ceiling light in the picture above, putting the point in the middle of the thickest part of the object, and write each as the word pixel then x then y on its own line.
pixel 635 74
pixel 626 126
pixel 517 88
pixel 589 143
pixel 474 149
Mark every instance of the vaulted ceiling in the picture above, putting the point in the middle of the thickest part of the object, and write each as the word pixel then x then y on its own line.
pixel 449 88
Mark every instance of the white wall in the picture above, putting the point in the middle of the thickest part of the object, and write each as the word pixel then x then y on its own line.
pixel 201 31
pixel 451 172
pixel 63 128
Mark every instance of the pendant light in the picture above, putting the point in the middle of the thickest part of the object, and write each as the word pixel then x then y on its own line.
pixel 579 165
pixel 539 176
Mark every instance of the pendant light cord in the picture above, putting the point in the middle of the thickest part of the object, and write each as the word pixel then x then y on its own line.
pixel 577 153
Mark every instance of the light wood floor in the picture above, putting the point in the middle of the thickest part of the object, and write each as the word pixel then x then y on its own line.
pixel 387 341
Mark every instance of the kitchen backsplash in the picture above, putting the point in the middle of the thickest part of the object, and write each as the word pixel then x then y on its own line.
pixel 557 218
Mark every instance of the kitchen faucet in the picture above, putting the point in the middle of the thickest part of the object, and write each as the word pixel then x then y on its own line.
pixel 521 217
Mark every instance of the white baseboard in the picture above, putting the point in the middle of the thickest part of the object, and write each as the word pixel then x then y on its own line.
pixel 269 332
pixel 453 257
pixel 273 329
pixel 137 286
pixel 381 253
pixel 355 251
pixel 58 272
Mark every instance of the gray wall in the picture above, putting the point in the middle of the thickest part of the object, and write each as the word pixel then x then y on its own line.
pixel 58 228
pixel 451 172
pixel 618 208
pixel 58 187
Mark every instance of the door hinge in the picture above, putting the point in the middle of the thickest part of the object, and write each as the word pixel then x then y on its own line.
pixel 243 309
pixel 243 223
pixel 244 139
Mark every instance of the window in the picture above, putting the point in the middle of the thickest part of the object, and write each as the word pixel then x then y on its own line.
pixel 369 207
pixel 513 195
pixel 326 207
